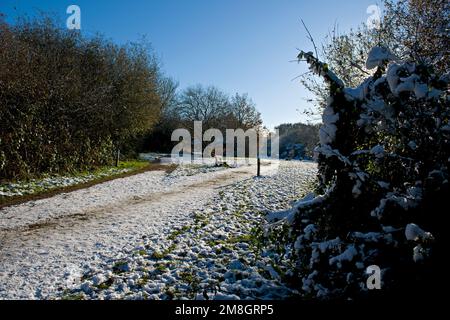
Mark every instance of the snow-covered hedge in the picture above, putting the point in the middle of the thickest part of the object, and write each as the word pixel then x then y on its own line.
pixel 383 159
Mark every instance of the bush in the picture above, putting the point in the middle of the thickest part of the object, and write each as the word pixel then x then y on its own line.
pixel 383 171
pixel 66 101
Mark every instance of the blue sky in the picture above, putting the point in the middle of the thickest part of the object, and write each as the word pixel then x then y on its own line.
pixel 236 45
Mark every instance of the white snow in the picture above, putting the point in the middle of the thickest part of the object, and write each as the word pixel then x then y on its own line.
pixel 347 255
pixel 379 56
pixel 406 84
pixel 420 90
pixel 418 253
pixel 117 240
pixel 21 188
pixel 356 190
pixel 358 93
pixel 289 215
pixel 329 244
pixel 414 233
pixel 412 145
pixel 327 133
pixel 392 77
pixel 377 151
pixel 376 105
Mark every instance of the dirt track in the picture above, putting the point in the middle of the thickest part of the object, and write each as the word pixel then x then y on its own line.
pixel 45 244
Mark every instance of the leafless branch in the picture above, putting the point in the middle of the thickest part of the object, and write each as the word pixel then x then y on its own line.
pixel 310 38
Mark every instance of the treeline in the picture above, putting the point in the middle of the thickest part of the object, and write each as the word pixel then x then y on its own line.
pixel 210 105
pixel 68 102
pixel 298 140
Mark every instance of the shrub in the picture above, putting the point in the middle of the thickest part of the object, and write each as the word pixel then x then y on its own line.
pixel 383 171
pixel 66 101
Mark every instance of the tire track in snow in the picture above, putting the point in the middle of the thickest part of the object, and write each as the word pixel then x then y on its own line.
pixel 44 255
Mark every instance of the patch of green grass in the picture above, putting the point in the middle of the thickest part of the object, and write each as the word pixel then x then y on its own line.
pixel 192 280
pixel 161 255
pixel 247 238
pixel 157 255
pixel 187 277
pixel 176 233
pixel 143 280
pixel 171 292
pixel 142 252
pixel 161 267
pixel 73 296
pixel 239 215
pixel 119 267
pixel 105 285
pixel 136 164
pixel 215 242
pixel 253 238
pixel 200 218
pixel 111 170
pixel 200 221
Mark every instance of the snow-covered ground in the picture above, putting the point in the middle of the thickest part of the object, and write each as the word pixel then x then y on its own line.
pixel 53 182
pixel 152 235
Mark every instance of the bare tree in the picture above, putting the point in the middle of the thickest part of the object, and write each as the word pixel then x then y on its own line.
pixel 198 103
pixel 244 113
pixel 415 30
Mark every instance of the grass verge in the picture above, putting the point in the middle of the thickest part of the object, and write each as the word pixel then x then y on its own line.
pixel 134 167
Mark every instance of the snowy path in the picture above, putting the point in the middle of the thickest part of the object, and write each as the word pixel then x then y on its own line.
pixel 218 252
pixel 46 245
